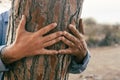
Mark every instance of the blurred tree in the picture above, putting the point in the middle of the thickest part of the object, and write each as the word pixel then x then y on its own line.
pixel 90 21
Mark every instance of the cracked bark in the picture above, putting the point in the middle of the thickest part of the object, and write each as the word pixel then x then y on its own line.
pixel 42 12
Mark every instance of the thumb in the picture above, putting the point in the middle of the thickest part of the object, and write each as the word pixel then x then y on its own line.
pixel 21 26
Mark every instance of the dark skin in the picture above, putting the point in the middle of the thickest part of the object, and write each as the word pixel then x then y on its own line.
pixel 24 42
pixel 76 43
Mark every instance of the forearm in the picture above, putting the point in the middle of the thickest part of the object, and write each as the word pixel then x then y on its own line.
pixel 5 57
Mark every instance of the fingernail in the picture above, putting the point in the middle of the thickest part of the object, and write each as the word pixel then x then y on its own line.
pixel 23 16
pixel 71 26
pixel 55 24
pixel 64 32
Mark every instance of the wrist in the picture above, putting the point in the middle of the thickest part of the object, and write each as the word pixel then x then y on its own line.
pixel 80 57
pixel 8 54
pixel 3 55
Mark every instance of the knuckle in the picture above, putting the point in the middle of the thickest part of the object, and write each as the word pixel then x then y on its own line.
pixel 47 44
pixel 60 38
pixel 44 30
pixel 49 37
pixel 53 41
pixel 59 33
pixel 76 40
pixel 47 53
pixel 81 35
pixel 63 38
pixel 65 32
pixel 62 51
pixel 72 44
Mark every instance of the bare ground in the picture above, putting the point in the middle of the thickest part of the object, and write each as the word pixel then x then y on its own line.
pixel 104 65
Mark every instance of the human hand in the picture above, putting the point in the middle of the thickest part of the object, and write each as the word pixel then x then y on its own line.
pixel 30 44
pixel 76 43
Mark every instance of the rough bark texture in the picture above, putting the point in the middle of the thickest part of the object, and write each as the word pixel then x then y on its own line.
pixel 42 12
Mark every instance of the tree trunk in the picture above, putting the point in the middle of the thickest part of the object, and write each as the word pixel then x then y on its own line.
pixel 42 12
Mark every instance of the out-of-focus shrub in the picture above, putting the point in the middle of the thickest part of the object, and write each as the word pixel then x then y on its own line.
pixel 91 42
pixel 112 36
pixel 101 34
pixel 90 22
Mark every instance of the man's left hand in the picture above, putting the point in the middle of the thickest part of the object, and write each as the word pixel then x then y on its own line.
pixel 76 42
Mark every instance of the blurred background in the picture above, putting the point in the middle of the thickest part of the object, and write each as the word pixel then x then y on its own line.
pixel 101 19
pixel 102 31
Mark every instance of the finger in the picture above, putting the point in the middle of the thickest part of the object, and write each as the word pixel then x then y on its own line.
pixel 75 31
pixel 52 42
pixel 67 42
pixel 65 51
pixel 46 29
pixel 81 28
pixel 70 37
pixel 21 26
pixel 52 36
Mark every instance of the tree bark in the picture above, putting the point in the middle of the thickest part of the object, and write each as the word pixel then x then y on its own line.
pixel 42 13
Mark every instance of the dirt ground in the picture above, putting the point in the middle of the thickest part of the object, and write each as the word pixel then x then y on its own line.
pixel 104 65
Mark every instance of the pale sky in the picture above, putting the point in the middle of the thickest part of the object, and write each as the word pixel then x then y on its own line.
pixel 102 10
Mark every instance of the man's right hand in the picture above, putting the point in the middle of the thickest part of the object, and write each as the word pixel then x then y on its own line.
pixel 30 44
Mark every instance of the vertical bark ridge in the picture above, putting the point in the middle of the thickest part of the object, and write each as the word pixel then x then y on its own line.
pixel 50 12
pixel 79 8
pixel 33 68
pixel 61 26
pixel 46 68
